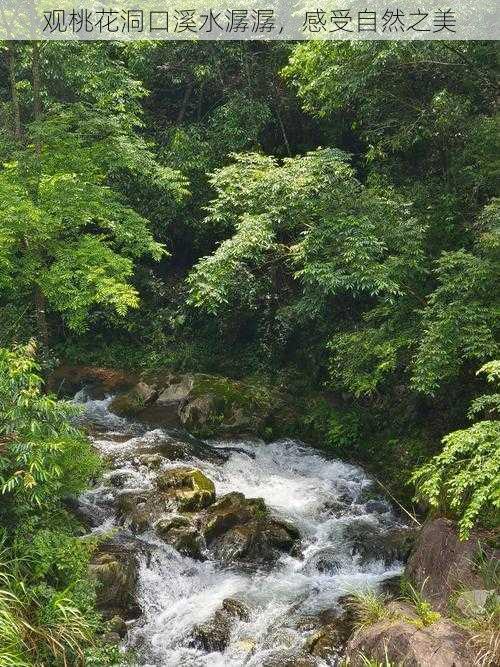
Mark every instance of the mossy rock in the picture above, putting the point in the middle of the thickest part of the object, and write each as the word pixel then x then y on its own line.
pixel 217 404
pixel 133 402
pixel 192 489
pixel 240 529
pixel 114 569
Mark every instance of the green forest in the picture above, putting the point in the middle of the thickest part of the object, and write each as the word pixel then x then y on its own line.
pixel 310 228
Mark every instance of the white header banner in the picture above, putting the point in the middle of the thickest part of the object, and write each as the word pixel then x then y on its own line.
pixel 279 20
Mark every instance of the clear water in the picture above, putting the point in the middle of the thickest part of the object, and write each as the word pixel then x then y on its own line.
pixel 320 497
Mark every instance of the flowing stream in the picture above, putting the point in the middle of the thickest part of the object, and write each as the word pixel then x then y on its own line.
pixel 326 500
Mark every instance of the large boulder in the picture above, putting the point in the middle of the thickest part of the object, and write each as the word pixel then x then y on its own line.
pixel 203 404
pixel 328 642
pixel 139 510
pixel 166 393
pixel 331 631
pixel 403 641
pixel 191 488
pixel 217 404
pixel 186 540
pixel 134 401
pixel 114 569
pixel 370 542
pixel 214 634
pixel 442 564
pixel 175 446
pixel 239 529
pixel 67 380
pixel 182 489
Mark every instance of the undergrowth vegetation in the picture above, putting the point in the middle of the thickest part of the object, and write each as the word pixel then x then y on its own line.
pixel 47 612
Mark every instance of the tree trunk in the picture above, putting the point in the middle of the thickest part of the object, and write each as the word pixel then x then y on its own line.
pixel 11 64
pixel 35 70
pixel 41 318
pixel 38 296
pixel 185 100
pixel 283 131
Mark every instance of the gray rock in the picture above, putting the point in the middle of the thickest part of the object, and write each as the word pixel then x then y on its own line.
pixel 474 602
pixel 441 563
pixel 191 489
pixel 114 568
pixel 214 634
pixel 371 543
pixel 117 625
pixel 239 529
pixel 236 608
pixel 442 644
pixel 187 541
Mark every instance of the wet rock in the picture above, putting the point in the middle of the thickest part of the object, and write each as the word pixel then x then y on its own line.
pixel 281 638
pixel 324 561
pixel 67 380
pixel 236 608
pixel 217 404
pixel 401 642
pixel 331 632
pixel 119 478
pixel 214 634
pixel 198 414
pixel 377 507
pixel 283 659
pixel 191 488
pixel 155 399
pixel 150 460
pixel 187 541
pixel 89 514
pixel 114 568
pixel 204 404
pixel 166 524
pixel 240 529
pixel 139 510
pixel 300 661
pixel 327 643
pixel 178 446
pixel 441 563
pixel 134 401
pixel 117 625
pixel 180 533
pixel 369 492
pixel 476 602
pixel 371 542
pixel 314 622
pixel 182 489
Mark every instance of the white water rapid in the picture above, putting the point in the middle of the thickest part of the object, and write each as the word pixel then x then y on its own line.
pixel 326 500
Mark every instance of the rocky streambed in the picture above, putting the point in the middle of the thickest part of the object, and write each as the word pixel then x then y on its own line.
pixel 231 552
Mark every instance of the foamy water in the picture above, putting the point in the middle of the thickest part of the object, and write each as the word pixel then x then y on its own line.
pixel 322 498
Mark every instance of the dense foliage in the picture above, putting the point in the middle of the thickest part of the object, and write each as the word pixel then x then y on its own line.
pixel 47 611
pixel 464 475
pixel 322 215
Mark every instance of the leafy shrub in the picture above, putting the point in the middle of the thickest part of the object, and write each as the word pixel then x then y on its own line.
pixel 42 456
pixel 370 608
pixel 426 614
pixel 464 476
pixel 47 604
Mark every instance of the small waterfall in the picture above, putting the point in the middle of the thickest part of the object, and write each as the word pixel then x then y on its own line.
pixel 330 502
